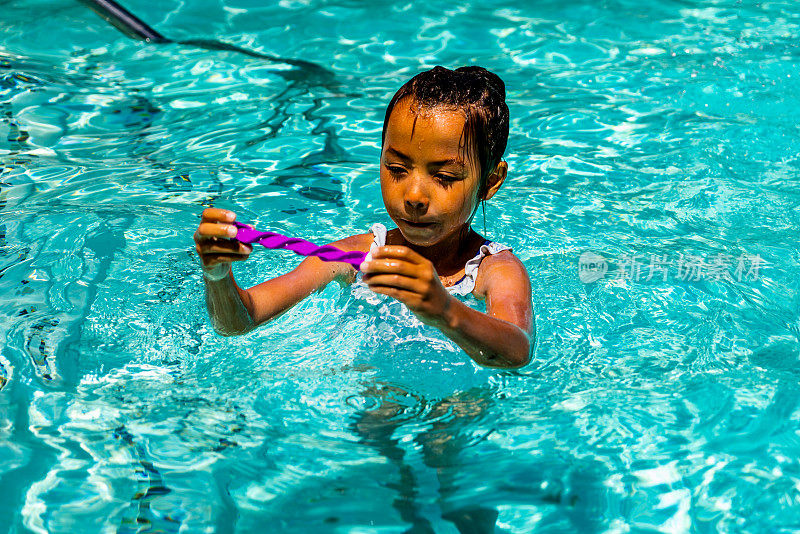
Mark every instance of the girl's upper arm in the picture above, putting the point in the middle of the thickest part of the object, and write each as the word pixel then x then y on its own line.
pixel 503 281
pixel 273 297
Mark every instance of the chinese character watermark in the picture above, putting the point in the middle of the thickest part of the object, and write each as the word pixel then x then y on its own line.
pixel 660 267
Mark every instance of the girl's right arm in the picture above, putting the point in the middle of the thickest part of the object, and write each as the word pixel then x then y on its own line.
pixel 234 310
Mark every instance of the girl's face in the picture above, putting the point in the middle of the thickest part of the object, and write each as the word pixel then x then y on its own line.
pixel 428 182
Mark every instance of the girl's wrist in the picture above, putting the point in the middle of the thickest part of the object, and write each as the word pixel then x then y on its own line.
pixel 449 314
pixel 447 318
pixel 443 319
pixel 217 272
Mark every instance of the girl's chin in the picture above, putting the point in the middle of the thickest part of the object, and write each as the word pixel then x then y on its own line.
pixel 420 236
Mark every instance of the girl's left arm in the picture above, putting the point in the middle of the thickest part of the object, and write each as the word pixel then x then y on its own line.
pixel 502 337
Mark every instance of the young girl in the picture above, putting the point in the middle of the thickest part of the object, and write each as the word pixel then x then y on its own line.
pixel 444 135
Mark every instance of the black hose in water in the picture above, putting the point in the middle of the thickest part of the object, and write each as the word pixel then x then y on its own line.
pixel 133 27
pixel 125 21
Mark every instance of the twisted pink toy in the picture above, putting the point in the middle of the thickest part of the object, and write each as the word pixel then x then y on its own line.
pixel 248 234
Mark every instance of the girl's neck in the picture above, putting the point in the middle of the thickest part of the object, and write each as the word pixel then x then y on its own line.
pixel 449 255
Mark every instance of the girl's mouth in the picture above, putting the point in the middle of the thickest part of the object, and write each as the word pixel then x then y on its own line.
pixel 414 224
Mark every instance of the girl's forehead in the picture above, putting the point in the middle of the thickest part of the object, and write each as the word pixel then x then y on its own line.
pixel 441 115
pixel 439 125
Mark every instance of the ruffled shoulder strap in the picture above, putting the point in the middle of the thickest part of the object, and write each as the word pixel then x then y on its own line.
pixel 466 285
pixel 379 231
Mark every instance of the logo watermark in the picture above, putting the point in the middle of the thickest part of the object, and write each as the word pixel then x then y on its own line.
pixel 591 267
pixel 662 267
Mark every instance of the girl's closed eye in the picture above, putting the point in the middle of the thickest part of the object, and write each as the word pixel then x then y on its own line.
pixel 450 174
pixel 395 169
pixel 447 179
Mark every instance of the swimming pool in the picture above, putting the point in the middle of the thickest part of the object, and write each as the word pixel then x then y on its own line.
pixel 652 195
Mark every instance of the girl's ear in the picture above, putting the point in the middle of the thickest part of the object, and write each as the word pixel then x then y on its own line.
pixel 495 180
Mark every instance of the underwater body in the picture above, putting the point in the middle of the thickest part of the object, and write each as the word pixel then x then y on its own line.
pixel 652 195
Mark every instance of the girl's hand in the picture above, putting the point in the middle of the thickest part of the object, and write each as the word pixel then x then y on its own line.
pixel 215 243
pixel 401 273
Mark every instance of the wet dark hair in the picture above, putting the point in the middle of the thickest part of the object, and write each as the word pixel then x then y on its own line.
pixel 476 91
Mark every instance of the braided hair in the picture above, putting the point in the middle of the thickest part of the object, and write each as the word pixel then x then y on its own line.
pixel 480 94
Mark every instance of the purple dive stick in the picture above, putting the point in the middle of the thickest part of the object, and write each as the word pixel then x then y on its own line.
pixel 248 234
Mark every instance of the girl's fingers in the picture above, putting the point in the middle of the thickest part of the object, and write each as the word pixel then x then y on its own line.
pixel 396 281
pixel 225 246
pixel 207 230
pixel 391 265
pixel 218 215
pixel 215 238
pixel 400 252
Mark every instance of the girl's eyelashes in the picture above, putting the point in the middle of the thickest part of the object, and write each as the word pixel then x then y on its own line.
pixel 395 171
pixel 444 177
pixel 394 168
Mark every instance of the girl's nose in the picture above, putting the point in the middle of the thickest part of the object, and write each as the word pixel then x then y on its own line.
pixel 416 198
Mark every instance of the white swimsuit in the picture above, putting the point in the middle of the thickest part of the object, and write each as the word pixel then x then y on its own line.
pixel 467 282
pixel 400 350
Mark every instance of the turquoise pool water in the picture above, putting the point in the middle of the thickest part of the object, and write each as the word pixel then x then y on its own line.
pixel 656 140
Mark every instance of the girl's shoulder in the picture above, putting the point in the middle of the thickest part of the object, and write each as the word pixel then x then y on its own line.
pixel 501 270
pixel 357 242
pixel 344 272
